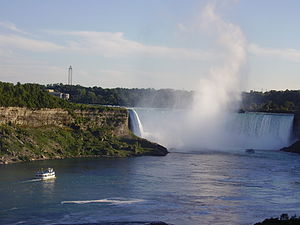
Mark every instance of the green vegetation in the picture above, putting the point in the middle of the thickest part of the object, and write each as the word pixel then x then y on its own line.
pixel 126 97
pixel 19 143
pixel 35 96
pixel 28 95
pixel 92 130
pixel 271 101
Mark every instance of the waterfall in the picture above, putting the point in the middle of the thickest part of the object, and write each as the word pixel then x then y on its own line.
pixel 262 130
pixel 237 130
pixel 135 123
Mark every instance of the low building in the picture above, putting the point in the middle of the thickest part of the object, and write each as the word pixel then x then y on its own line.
pixel 65 96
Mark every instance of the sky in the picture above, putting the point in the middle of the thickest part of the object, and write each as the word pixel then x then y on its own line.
pixel 148 44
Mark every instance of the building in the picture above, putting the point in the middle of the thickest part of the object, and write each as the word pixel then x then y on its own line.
pixel 61 95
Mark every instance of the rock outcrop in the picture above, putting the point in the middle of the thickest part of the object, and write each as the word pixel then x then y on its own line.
pixel 86 118
pixel 28 134
pixel 296 125
pixel 295 148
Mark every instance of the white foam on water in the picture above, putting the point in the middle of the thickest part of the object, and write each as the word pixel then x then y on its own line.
pixel 113 201
pixel 31 180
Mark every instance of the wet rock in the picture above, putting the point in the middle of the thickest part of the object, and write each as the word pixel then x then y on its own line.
pixel 295 148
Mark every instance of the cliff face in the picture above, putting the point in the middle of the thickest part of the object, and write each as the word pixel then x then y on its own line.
pixel 34 118
pixel 295 148
pixel 296 125
pixel 27 134
pixel 116 119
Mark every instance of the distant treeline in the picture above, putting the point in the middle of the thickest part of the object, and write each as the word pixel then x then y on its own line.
pixel 36 96
pixel 163 98
pixel 28 95
pixel 271 101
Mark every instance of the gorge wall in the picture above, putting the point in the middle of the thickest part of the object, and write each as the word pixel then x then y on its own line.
pixel 116 118
pixel 35 134
pixel 296 126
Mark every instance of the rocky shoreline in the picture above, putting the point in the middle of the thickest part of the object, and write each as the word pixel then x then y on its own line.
pixel 294 148
pixel 41 134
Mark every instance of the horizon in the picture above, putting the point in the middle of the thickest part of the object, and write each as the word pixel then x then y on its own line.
pixel 142 44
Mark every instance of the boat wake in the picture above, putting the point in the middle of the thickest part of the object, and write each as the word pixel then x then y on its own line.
pixel 112 201
pixel 30 181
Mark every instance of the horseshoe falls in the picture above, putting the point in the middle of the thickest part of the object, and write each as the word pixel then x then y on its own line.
pixel 265 131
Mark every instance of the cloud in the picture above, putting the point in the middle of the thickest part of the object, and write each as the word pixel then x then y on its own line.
pixel 11 26
pixel 287 54
pixel 12 41
pixel 111 44
pixel 106 44
pixel 181 27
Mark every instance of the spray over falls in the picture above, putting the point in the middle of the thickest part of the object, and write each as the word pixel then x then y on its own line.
pixel 216 95
pixel 240 130
pixel 212 121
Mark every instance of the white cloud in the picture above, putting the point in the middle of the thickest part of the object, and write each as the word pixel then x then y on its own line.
pixel 107 44
pixel 181 27
pixel 115 44
pixel 287 54
pixel 11 41
pixel 11 26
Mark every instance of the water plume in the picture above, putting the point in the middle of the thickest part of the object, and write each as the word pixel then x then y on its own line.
pixel 217 95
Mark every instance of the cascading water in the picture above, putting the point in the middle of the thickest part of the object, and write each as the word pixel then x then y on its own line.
pixel 210 122
pixel 261 130
pixel 239 130
pixel 135 123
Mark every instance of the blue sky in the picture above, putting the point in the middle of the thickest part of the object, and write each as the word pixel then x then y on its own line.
pixel 142 43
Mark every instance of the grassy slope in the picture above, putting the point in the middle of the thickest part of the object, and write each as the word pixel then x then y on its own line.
pixel 20 143
pixel 26 143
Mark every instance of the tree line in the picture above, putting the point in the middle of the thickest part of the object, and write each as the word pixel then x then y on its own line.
pixel 163 98
pixel 271 101
pixel 36 96
pixel 28 95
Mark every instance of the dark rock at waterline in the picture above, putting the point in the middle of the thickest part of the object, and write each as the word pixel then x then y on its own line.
pixel 250 151
pixel 283 220
pixel 148 148
pixel 295 148
pixel 241 111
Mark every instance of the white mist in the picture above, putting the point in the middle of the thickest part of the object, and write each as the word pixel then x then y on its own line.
pixel 212 121
pixel 218 95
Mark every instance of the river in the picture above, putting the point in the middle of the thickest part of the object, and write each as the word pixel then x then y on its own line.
pixel 203 187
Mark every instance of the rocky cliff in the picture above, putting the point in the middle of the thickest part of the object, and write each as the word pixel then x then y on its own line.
pixel 296 126
pixel 28 134
pixel 117 118
pixel 295 147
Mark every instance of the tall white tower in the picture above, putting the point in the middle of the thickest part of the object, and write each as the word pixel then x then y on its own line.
pixel 70 76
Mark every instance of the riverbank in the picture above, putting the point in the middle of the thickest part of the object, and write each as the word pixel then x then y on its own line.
pixel 294 148
pixel 29 135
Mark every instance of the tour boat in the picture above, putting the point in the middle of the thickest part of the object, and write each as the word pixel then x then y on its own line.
pixel 45 174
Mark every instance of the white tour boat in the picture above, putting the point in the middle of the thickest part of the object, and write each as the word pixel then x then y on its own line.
pixel 45 174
